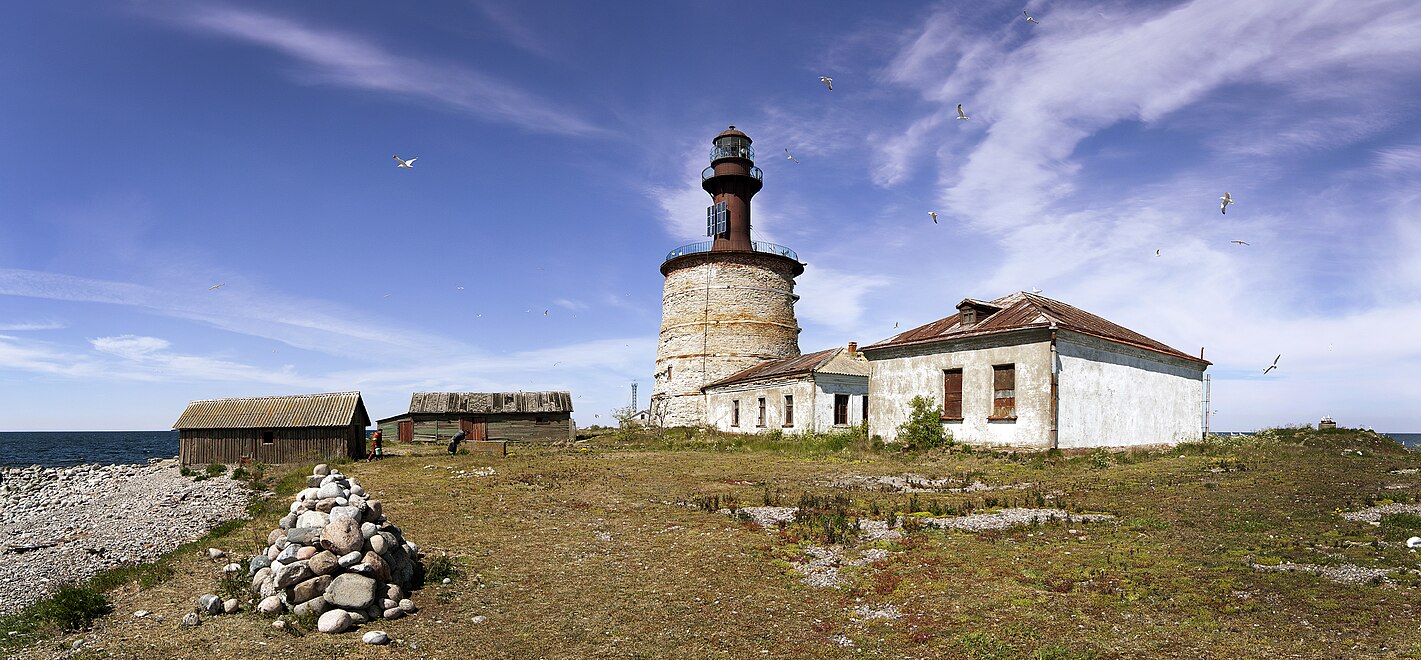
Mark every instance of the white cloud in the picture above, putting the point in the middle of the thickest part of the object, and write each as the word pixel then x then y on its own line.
pixel 572 305
pixel 25 326
pixel 131 347
pixel 332 57
pixel 834 298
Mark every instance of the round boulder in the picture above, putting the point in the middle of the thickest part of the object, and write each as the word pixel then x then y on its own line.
pixel 351 591
pixel 322 470
pixel 323 563
pixel 209 603
pixel 271 605
pixel 333 621
pixel 342 536
pixel 376 637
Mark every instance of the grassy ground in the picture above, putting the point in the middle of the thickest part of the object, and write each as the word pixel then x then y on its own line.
pixel 596 553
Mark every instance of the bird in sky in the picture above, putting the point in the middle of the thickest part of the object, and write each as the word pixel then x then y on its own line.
pixel 545 312
pixel 1224 203
pixel 895 325
pixel 934 216
pixel 790 155
pixel 1239 242
pixel 1156 253
pixel 960 114
pixel 405 163
pixel 1274 365
pixel 1036 290
pixel 216 286
pixel 828 82
pixel 459 288
pixel 1029 19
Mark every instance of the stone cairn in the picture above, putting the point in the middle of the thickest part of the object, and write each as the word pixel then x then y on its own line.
pixel 337 557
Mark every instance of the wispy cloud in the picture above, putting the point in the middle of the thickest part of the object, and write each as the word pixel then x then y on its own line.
pixel 303 323
pixel 834 298
pixel 516 29
pixel 25 326
pixel 332 57
pixel 572 305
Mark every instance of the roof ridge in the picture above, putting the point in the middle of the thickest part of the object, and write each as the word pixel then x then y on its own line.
pixel 274 396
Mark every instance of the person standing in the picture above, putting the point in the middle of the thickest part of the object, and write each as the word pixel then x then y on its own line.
pixel 377 447
pixel 454 442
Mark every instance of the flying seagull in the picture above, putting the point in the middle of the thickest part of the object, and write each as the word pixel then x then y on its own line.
pixel 1156 253
pixel 895 325
pixel 1029 19
pixel 790 155
pixel 405 163
pixel 216 286
pixel 1274 365
pixel 934 215
pixel 828 82
pixel 459 288
pixel 1239 242
pixel 960 113
pixel 1224 203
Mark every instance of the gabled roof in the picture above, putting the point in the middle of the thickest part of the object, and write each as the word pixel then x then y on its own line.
pixel 490 402
pixel 1022 310
pixel 831 361
pixel 297 410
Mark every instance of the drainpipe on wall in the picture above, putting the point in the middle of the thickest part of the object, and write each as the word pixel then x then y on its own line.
pixel 1055 395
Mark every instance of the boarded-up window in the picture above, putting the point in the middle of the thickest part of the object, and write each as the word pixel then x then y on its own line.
pixel 1003 390
pixel 761 422
pixel 841 409
pixel 268 437
pixel 735 413
pixel 789 410
pixel 952 394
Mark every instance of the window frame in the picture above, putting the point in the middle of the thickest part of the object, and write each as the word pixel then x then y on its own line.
pixel 735 413
pixel 1003 406
pixel 760 423
pixel 947 412
pixel 841 410
pixel 268 437
pixel 789 411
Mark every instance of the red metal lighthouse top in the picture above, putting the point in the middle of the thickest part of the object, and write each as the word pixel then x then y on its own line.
pixel 732 179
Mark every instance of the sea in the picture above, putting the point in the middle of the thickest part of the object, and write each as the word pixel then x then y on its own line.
pixel 64 448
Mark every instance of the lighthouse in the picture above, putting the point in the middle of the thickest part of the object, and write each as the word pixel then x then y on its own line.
pixel 728 302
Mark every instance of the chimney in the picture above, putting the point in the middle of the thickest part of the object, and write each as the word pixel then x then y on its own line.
pixel 853 348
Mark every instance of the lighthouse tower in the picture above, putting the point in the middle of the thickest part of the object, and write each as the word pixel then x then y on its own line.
pixel 728 302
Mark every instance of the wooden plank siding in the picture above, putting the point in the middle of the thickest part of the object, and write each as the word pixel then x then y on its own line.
pixel 513 427
pixel 288 445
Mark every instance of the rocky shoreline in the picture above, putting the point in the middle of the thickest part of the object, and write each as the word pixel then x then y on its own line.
pixel 68 524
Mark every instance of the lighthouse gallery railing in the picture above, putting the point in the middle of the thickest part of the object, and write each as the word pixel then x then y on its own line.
pixel 758 246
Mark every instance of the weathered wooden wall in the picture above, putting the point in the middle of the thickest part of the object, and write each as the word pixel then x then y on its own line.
pixel 232 446
pixel 519 427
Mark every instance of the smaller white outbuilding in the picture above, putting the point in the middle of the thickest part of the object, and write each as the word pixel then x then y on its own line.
pixel 819 391
pixel 1024 370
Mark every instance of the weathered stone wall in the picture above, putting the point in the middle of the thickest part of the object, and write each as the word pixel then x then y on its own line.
pixel 721 312
pixel 1114 395
pixel 897 375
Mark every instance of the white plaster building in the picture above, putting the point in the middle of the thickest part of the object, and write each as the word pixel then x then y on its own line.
pixel 1028 371
pixel 820 391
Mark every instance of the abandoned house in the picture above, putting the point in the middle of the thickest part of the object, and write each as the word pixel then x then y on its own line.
pixel 513 416
pixel 819 392
pixel 1028 371
pixel 272 429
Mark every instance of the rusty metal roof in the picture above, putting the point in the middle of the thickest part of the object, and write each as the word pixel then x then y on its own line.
pixel 297 410
pixel 1022 310
pixel 490 402
pixel 827 361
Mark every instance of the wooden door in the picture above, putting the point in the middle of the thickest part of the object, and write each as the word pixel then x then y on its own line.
pixel 406 431
pixel 475 427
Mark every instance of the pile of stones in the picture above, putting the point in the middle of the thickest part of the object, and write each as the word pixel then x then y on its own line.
pixel 337 557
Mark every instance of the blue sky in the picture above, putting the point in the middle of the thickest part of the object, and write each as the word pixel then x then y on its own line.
pixel 160 148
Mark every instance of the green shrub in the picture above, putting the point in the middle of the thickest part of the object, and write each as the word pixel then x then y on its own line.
pixel 216 469
pixel 923 430
pixel 74 607
pixel 441 567
pixel 240 473
pixel 186 471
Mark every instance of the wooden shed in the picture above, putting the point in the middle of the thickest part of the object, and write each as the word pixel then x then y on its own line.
pixel 272 429
pixel 515 416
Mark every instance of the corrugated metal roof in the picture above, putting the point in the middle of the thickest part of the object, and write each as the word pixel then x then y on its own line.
pixel 1023 310
pixel 834 360
pixel 331 409
pixel 491 402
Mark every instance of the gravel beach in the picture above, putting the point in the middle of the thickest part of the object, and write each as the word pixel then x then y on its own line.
pixel 67 524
